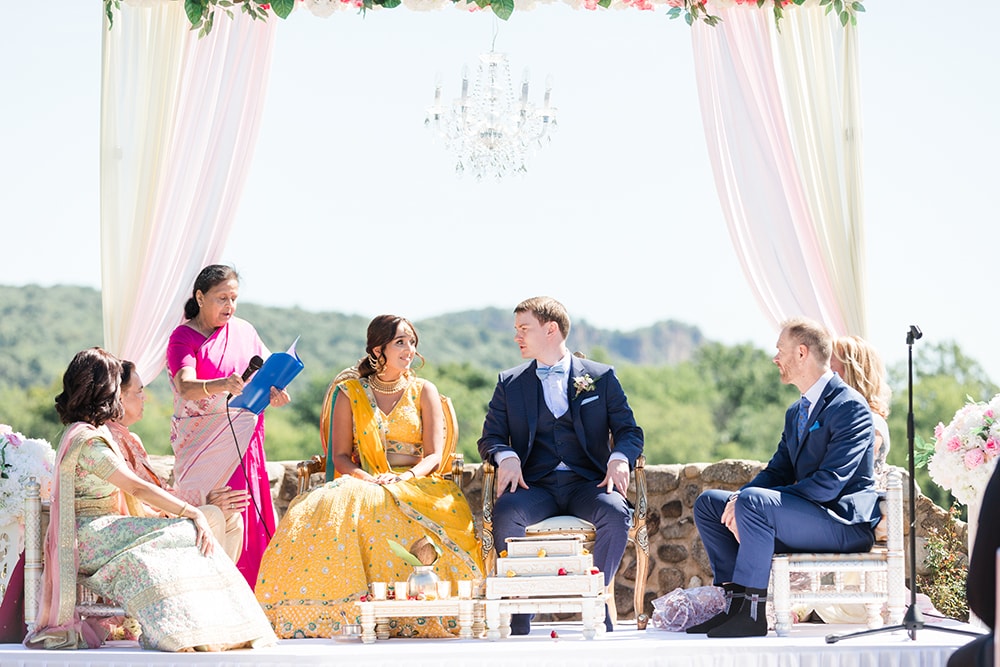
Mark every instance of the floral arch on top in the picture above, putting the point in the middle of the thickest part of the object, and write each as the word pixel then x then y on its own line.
pixel 778 88
pixel 202 13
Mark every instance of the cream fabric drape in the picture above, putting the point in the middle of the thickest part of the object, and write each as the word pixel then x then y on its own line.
pixel 782 120
pixel 179 121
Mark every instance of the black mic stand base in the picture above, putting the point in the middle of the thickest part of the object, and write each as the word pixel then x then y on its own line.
pixel 913 620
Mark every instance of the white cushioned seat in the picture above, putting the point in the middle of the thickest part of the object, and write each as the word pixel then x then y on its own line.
pixel 559 524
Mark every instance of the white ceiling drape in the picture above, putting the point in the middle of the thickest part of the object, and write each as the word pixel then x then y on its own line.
pixel 179 121
pixel 180 117
pixel 782 120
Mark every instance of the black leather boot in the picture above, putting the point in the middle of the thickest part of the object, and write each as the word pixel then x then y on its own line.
pixel 749 621
pixel 734 596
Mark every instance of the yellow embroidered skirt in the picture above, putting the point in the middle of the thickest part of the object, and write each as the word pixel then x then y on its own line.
pixel 332 543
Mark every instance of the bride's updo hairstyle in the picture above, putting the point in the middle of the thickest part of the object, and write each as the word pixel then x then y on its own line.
pixel 381 331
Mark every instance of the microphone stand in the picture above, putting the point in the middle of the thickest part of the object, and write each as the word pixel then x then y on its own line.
pixel 913 619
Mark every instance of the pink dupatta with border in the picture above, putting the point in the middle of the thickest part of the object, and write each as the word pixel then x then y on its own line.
pixel 205 455
pixel 58 625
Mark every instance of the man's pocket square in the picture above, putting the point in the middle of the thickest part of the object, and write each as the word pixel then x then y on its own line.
pixel 588 400
pixel 814 427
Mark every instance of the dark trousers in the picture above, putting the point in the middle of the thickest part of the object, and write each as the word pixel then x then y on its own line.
pixel 769 522
pixel 565 492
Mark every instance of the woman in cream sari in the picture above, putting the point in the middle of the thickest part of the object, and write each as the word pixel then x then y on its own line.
pixel 385 440
pixel 167 573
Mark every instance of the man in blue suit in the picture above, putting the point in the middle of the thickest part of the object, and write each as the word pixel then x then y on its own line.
pixel 817 493
pixel 549 430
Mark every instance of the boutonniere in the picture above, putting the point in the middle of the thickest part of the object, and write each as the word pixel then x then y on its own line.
pixel 583 383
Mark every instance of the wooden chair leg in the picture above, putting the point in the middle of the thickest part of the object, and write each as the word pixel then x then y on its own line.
pixel 641 572
pixel 489 552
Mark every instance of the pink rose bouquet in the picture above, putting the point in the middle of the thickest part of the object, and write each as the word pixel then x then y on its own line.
pixel 965 451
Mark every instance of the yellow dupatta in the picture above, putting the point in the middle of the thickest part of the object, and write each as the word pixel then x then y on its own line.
pixel 437 504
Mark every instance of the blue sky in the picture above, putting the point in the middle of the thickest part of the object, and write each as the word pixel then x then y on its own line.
pixel 352 206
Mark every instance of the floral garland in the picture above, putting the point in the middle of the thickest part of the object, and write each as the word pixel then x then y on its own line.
pixel 202 13
pixel 21 459
pixel 697 10
pixel 965 451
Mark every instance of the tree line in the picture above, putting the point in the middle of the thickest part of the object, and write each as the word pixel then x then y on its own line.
pixel 696 400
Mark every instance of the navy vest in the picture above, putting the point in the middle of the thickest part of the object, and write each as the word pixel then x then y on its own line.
pixel 555 441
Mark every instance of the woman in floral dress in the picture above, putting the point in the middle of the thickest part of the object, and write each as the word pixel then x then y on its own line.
pixel 169 574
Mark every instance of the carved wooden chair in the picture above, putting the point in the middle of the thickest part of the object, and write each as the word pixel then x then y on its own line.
pixel 882 571
pixel 452 463
pixel 568 524
pixel 36 522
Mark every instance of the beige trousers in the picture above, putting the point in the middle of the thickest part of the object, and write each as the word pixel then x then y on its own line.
pixel 228 532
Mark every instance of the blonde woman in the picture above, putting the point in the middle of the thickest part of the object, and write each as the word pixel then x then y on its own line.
pixel 860 366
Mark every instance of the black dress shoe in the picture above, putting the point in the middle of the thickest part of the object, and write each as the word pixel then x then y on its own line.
pixel 734 596
pixel 749 621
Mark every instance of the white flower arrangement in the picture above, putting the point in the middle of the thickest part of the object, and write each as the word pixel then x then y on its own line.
pixel 21 459
pixel 965 451
pixel 583 383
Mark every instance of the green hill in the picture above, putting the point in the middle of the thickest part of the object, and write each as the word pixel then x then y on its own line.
pixel 41 328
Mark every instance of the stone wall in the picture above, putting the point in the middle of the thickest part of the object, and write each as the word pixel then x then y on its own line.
pixel 677 557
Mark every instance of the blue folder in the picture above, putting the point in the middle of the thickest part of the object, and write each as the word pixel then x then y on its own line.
pixel 278 371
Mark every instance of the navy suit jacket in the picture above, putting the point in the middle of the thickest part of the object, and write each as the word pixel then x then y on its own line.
pixel 833 464
pixel 513 414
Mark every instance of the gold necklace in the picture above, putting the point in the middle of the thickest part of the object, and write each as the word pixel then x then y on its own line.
pixel 382 387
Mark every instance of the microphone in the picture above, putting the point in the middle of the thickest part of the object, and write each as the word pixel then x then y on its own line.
pixel 255 363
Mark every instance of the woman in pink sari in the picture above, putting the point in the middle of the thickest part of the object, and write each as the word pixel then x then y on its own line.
pixel 205 357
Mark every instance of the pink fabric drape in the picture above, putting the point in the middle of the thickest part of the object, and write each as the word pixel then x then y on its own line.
pixel 799 243
pixel 179 122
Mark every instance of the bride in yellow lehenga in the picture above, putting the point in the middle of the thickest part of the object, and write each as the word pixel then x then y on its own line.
pixel 386 442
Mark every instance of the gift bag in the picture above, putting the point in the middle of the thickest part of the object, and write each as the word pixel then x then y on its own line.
pixel 681 608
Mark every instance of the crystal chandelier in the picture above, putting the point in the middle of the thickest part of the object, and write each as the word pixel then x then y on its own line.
pixel 490 135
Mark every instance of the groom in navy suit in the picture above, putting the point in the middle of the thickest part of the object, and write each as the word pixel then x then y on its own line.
pixel 549 430
pixel 817 493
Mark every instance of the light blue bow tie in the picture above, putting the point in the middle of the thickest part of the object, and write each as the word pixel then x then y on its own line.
pixel 544 372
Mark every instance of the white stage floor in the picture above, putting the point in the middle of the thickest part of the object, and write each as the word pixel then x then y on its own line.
pixel 805 647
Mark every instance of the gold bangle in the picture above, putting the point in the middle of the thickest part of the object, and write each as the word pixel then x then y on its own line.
pixel 183 510
pixel 204 387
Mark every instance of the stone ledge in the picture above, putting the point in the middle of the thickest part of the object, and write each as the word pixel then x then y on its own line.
pixel 677 557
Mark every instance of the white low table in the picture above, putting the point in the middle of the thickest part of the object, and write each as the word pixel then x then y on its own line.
pixel 498 612
pixel 375 614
